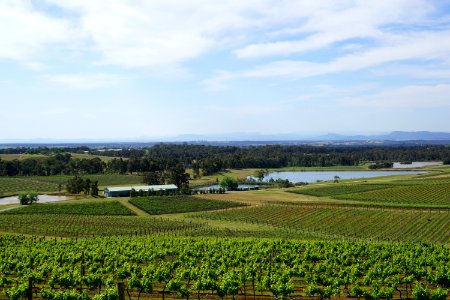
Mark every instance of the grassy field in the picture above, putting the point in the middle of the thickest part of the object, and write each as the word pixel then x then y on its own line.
pixel 212 179
pixel 179 204
pixel 333 168
pixel 103 179
pixel 10 157
pixel 90 156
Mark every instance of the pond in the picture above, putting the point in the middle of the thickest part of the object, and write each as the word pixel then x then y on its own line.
pixel 241 187
pixel 417 164
pixel 42 199
pixel 313 176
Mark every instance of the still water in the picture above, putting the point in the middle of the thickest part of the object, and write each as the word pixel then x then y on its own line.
pixel 42 199
pixel 417 164
pixel 313 176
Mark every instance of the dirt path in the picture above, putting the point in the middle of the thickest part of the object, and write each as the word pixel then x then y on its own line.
pixel 133 208
pixel 9 208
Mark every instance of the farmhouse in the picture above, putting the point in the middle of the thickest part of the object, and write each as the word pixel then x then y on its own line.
pixel 124 191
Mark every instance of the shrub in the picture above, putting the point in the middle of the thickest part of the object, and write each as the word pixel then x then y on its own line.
pixel 28 198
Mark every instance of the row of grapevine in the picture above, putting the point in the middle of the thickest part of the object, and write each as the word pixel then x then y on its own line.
pixel 431 195
pixel 156 205
pixel 209 267
pixel 346 222
pixel 99 207
pixel 91 226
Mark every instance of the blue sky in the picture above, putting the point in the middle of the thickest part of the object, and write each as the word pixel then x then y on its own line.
pixel 128 69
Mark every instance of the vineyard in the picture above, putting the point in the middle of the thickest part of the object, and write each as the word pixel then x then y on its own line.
pixel 337 222
pixel 43 184
pixel 206 268
pixel 374 239
pixel 10 185
pixel 430 190
pixel 339 189
pixel 90 226
pixel 99 207
pixel 155 205
pixel 425 195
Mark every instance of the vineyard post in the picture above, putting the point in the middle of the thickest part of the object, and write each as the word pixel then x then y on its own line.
pixel 30 288
pixel 120 291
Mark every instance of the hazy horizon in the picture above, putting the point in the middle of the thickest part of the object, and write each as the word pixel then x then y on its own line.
pixel 250 136
pixel 80 69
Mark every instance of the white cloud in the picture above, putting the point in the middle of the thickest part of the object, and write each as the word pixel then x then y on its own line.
pixel 84 81
pixel 26 33
pixel 425 46
pixel 160 32
pixel 154 33
pixel 329 22
pixel 407 97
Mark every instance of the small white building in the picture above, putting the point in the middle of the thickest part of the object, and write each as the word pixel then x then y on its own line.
pixel 125 191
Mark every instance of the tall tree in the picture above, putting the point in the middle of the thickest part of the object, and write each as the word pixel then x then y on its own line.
pixel 178 176
pixel 94 188
pixel 75 185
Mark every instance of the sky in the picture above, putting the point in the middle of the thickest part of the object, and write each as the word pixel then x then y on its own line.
pixel 135 69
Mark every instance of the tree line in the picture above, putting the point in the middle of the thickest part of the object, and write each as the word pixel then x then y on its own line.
pixel 59 164
pixel 206 160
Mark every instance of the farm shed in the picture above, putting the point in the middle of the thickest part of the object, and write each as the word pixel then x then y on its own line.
pixel 247 187
pixel 124 191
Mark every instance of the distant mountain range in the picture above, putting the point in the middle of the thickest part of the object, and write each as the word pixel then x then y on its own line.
pixel 393 136
pixel 248 138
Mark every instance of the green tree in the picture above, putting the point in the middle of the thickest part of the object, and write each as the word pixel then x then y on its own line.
pixel 152 178
pixel 178 176
pixel 260 174
pixel 94 189
pixel 229 183
pixel 196 169
pixel 75 185
pixel 28 198
pixel 87 186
